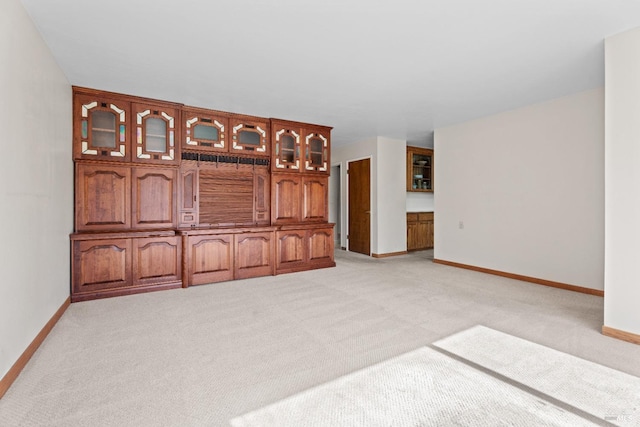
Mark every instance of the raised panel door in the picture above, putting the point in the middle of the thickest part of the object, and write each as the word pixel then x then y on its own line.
pixel 100 265
pixel 153 197
pixel 188 195
pixel 262 199
pixel 154 134
pixel 102 194
pixel 315 200
pixel 286 196
pixel 209 258
pixel 156 260
pixel 321 246
pixel 101 127
pixel 253 255
pixel 291 250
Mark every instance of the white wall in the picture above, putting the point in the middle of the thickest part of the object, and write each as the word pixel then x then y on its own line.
pixel 36 171
pixel 622 177
pixel 528 185
pixel 392 191
pixel 388 191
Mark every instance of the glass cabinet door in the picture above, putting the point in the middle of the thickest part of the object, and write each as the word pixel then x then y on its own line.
pixel 155 132
pixel 204 130
pixel 286 147
pixel 101 128
pixel 419 169
pixel 316 151
pixel 249 136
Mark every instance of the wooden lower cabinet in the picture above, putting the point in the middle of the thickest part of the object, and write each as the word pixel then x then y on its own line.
pixel 291 247
pixel 111 264
pixel 208 258
pixel 321 245
pixel 218 255
pixel 253 255
pixel 419 230
pixel 304 248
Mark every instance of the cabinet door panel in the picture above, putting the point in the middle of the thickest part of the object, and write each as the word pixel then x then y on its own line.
pixel 261 189
pixel 321 246
pixel 204 130
pixel 286 138
pixel 249 135
pixel 101 127
pixel 315 198
pixel 253 255
pixel 188 195
pixel 419 169
pixel 290 249
pixel 286 194
pixel 101 264
pixel 156 260
pixel 154 197
pixel 210 259
pixel 317 149
pixel 102 197
pixel 154 134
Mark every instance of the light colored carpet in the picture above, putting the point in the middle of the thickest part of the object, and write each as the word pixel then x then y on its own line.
pixel 419 388
pixel 606 393
pixel 205 355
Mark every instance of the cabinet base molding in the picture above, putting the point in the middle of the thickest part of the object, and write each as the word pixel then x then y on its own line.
pixel 621 335
pixel 388 254
pixel 22 361
pixel 125 291
pixel 529 279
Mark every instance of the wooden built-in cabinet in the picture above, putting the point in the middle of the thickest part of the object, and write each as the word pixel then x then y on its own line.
pixel 304 247
pixel 112 197
pixel 249 135
pixel 111 264
pixel 155 131
pixel 299 198
pixel 223 194
pixel 101 128
pixel 419 230
pixel 205 130
pixel 419 169
pixel 300 147
pixel 216 255
pixel 168 195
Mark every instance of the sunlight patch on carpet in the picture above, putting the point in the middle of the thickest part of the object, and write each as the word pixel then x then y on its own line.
pixel 420 388
pixel 606 393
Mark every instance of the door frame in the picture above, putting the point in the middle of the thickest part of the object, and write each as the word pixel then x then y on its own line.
pixel 372 208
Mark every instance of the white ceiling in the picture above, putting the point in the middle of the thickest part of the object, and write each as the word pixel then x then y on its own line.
pixel 367 67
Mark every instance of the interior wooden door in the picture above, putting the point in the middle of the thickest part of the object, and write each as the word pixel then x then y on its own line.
pixel 360 206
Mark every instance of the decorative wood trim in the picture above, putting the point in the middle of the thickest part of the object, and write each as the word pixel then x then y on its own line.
pixel 22 361
pixel 388 254
pixel 535 280
pixel 621 335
